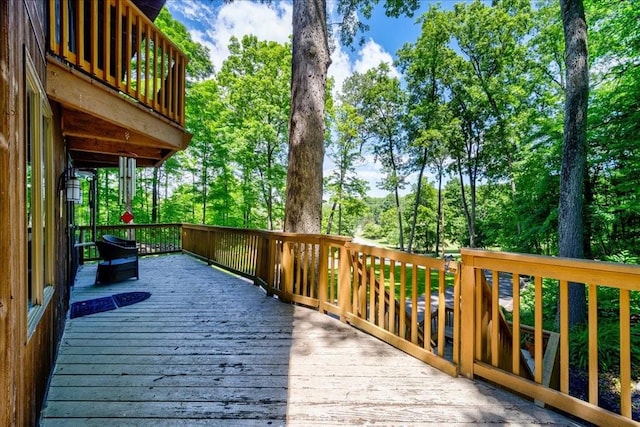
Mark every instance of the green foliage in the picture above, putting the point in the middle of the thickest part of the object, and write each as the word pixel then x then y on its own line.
pixel 346 190
pixel 372 231
pixel 549 304
pixel 199 66
pixel 379 100
pixel 608 347
pixel 254 83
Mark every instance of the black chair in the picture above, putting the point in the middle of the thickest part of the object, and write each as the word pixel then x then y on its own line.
pixel 119 259
pixel 119 241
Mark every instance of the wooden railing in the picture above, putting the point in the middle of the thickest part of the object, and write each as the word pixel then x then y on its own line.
pixel 113 41
pixel 378 290
pixel 151 239
pixel 483 351
pixel 372 288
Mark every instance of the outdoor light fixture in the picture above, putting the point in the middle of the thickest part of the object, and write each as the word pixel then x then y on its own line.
pixel 73 190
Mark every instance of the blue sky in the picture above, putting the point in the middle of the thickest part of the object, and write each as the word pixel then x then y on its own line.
pixel 212 23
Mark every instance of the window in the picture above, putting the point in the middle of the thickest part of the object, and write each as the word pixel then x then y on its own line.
pixel 39 195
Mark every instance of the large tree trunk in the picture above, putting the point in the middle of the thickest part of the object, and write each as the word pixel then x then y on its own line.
pixel 303 209
pixel 439 213
pixel 416 203
pixel 570 208
pixel 468 211
pixel 399 211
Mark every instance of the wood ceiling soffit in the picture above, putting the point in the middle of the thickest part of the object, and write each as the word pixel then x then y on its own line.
pixel 76 123
pixel 93 160
pixel 96 145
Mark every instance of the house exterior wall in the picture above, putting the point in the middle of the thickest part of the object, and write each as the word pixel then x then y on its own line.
pixel 26 359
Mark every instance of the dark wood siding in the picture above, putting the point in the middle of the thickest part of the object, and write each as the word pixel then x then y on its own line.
pixel 25 362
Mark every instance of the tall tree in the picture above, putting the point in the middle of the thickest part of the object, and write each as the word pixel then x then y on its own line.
pixel 310 62
pixel 425 65
pixel 574 145
pixel 308 85
pixel 380 101
pixel 255 79
pixel 343 185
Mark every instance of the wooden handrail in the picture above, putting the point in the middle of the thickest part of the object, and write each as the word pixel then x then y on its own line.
pixel 114 42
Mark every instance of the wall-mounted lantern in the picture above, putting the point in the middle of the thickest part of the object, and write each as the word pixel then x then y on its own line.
pixel 73 190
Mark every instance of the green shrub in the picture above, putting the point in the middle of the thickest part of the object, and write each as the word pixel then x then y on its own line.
pixel 549 304
pixel 608 347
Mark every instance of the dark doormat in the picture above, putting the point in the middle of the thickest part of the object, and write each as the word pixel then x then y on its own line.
pixel 98 305
pixel 129 298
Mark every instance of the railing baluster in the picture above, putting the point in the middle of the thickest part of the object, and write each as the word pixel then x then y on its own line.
pixel 625 353
pixel 456 316
pixel 479 321
pixel 538 330
pixel 53 35
pixel 403 300
pixel 106 51
pixel 564 336
pixel 129 51
pixel 94 38
pixel 593 343
pixel 441 310
pixel 80 34
pixel 392 296
pixel 381 293
pixel 414 303
pixel 515 338
pixel 119 42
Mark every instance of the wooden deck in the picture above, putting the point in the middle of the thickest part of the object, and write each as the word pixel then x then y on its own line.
pixel 208 348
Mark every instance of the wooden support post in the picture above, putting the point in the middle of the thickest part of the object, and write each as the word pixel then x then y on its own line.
pixel 323 276
pixel 467 308
pixel 287 267
pixel 344 283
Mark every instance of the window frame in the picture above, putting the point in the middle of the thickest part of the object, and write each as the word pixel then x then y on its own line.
pixel 39 117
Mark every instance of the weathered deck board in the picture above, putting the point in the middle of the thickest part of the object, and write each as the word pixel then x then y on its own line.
pixel 211 349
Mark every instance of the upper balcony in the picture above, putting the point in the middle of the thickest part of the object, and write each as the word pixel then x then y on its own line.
pixel 119 80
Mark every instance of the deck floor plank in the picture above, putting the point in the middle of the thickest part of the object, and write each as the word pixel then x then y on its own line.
pixel 208 348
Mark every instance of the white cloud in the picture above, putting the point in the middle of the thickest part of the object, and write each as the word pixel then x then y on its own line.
pixel 213 26
pixel 371 55
pixel 340 68
pixel 240 18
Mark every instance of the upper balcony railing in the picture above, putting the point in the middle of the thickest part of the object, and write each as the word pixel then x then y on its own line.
pixel 113 41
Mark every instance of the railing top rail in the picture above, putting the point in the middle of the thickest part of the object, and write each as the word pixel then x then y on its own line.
pixel 101 227
pixel 276 233
pixel 397 255
pixel 579 270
